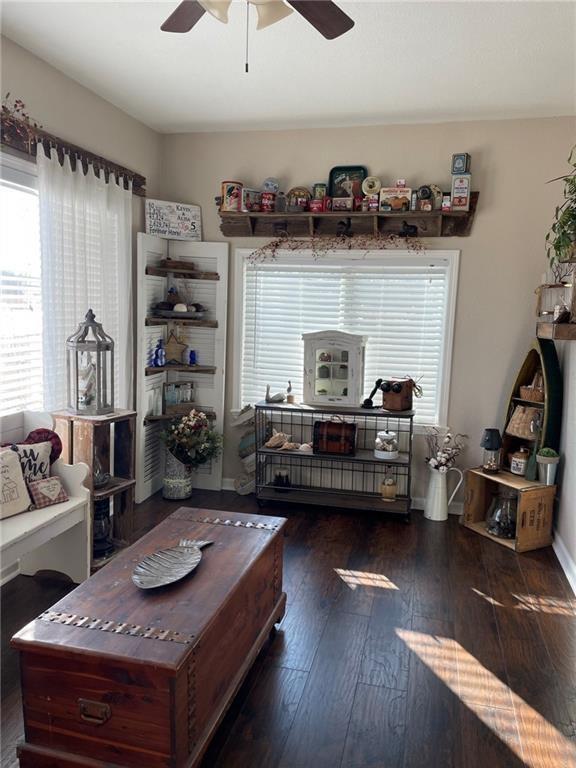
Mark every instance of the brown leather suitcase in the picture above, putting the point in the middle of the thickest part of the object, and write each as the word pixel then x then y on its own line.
pixel 114 675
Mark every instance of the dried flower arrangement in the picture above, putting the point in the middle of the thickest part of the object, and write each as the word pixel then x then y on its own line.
pixel 190 439
pixel 320 246
pixel 18 128
pixel 443 448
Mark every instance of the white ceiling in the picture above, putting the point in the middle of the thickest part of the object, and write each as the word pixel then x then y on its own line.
pixel 403 62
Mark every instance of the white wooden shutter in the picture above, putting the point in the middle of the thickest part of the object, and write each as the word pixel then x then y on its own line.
pixel 402 303
pixel 209 343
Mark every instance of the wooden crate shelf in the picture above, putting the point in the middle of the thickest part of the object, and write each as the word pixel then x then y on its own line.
pixel 109 441
pixel 557 331
pixel 534 509
pixel 113 486
pixel 188 274
pixel 305 224
pixel 177 321
pixel 181 368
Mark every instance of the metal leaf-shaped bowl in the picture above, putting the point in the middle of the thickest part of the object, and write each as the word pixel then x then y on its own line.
pixel 168 565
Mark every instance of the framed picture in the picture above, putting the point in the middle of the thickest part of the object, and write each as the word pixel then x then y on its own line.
pixel 346 181
pixel 175 221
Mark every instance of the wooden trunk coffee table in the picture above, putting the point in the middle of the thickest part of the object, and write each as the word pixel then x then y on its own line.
pixel 117 676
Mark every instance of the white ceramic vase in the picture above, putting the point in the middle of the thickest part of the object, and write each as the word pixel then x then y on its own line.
pixel 437 501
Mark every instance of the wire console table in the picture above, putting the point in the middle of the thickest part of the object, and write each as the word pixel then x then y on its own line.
pixel 332 480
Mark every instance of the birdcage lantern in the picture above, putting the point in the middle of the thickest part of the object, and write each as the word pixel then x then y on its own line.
pixel 90 369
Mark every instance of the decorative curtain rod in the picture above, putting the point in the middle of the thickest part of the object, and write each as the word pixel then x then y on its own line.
pixel 25 136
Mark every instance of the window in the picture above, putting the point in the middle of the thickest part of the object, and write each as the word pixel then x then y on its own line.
pixel 404 303
pixel 21 376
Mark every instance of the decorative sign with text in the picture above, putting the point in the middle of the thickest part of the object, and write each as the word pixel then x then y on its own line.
pixel 175 221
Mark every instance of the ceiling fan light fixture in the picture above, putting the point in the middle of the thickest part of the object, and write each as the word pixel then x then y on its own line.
pixel 217 8
pixel 270 11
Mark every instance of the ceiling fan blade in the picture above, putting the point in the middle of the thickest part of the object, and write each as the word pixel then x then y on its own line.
pixel 270 11
pixel 184 17
pixel 324 15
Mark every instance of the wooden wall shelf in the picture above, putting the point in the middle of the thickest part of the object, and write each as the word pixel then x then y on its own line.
pixel 188 274
pixel 189 323
pixel 432 224
pixel 210 415
pixel 557 331
pixel 150 371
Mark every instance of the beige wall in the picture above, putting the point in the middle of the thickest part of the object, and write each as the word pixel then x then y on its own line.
pixel 501 262
pixel 72 112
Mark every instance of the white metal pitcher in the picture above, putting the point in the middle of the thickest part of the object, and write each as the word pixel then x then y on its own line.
pixel 437 501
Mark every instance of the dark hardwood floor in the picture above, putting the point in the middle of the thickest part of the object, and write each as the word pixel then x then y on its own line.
pixel 403 646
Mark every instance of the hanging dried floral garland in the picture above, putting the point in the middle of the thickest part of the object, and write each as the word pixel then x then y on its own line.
pixel 18 128
pixel 320 246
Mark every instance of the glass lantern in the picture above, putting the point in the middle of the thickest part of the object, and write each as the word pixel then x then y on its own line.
pixel 102 545
pixel 491 443
pixel 90 369
pixel 386 445
pixel 501 517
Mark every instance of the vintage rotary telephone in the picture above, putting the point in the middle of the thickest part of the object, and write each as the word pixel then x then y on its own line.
pixel 396 394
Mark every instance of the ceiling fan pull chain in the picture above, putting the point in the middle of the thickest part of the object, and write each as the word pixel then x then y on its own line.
pixel 247 30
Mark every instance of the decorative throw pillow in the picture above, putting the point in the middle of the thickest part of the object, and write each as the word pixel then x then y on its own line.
pixel 14 496
pixel 47 491
pixel 41 436
pixel 34 460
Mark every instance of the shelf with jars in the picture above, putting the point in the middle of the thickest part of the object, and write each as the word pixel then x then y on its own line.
pixel 318 224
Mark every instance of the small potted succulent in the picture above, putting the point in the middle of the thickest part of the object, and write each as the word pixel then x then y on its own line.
pixel 547 460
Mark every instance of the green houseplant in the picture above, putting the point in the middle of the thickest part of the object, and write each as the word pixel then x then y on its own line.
pixel 561 239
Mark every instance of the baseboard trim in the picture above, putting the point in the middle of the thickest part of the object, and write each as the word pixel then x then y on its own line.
pixel 9 573
pixel 456 508
pixel 566 561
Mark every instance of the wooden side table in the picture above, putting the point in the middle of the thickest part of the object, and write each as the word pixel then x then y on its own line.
pixel 110 440
pixel 534 509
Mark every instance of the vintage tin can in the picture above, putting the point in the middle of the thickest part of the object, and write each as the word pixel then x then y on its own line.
pixel 461 186
pixel 231 195
pixel 316 206
pixel 358 202
pixel 319 191
pixel 268 202
pixel 327 203
pixel 251 200
pixel 374 202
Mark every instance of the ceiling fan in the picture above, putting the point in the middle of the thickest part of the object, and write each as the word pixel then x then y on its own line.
pixel 324 15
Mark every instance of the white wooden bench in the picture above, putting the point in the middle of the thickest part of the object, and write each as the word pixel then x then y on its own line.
pixel 57 538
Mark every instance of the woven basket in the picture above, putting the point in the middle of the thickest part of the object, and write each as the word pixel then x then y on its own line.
pixel 533 394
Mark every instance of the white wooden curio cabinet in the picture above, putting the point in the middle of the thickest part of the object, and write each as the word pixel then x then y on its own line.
pixel 333 368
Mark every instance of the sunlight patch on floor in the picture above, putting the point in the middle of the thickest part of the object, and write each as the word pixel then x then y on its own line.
pixel 546 604
pixel 538 603
pixel 545 746
pixel 354 579
pixel 487 598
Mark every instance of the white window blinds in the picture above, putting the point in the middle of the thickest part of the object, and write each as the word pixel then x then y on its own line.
pixel 21 376
pixel 402 302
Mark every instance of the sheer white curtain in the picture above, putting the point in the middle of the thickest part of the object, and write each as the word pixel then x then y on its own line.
pixel 86 242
